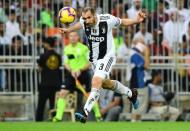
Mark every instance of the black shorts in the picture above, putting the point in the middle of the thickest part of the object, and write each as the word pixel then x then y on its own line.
pixel 84 78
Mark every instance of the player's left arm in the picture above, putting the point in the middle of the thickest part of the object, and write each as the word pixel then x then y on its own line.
pixel 139 18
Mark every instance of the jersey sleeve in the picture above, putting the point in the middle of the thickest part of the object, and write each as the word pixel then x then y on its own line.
pixel 81 22
pixel 65 57
pixel 114 21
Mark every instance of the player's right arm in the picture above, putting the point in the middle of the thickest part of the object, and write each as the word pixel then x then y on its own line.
pixel 74 27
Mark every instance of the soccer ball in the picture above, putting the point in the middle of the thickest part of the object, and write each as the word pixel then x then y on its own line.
pixel 67 15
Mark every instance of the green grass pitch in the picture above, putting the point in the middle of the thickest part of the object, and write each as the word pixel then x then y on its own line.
pixel 95 126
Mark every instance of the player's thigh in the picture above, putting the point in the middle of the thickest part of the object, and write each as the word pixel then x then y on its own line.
pixel 85 79
pixel 103 67
pixel 70 84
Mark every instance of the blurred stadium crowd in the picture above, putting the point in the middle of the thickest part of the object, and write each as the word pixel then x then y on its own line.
pixel 25 26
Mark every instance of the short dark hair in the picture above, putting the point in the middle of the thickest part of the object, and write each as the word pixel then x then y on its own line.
pixel 155 73
pixel 16 37
pixel 50 41
pixel 85 9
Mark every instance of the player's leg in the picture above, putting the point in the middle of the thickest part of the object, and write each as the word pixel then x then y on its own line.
pixel 121 89
pixel 60 105
pixel 92 99
pixel 61 101
pixel 101 71
pixel 42 98
pixel 85 78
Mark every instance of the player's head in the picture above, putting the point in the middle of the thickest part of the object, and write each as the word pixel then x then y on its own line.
pixel 49 42
pixel 156 76
pixel 73 37
pixel 12 15
pixel 89 16
pixel 17 42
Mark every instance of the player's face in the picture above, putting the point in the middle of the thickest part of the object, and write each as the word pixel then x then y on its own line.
pixel 73 37
pixel 89 18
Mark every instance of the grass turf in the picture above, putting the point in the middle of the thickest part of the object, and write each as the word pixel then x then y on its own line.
pixel 93 126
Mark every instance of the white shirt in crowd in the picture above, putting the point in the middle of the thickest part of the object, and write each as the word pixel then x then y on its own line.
pixel 172 32
pixel 12 29
pixel 148 38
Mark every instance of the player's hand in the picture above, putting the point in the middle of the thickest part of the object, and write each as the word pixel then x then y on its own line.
pixel 76 74
pixel 63 93
pixel 103 111
pixel 63 30
pixel 141 16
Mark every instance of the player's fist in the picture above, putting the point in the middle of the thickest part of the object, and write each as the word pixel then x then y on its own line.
pixel 63 30
pixel 141 16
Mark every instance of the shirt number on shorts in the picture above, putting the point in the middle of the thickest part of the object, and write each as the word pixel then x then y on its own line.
pixel 101 66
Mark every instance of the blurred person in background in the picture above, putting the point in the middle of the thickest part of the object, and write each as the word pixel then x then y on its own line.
pixel 51 77
pixel 12 26
pixel 96 4
pixel 46 14
pixel 77 67
pixel 118 39
pixel 184 12
pixel 139 57
pixel 172 30
pixel 4 40
pixel 150 6
pixel 111 105
pixel 3 14
pixel 136 6
pixel 15 78
pixel 160 14
pixel 143 33
pixel 158 103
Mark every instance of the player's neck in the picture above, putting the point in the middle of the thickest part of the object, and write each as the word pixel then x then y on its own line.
pixel 96 19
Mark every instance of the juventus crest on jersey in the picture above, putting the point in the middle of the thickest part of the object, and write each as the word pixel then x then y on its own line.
pixel 100 39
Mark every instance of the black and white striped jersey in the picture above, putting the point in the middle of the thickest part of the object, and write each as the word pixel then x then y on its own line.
pixel 100 38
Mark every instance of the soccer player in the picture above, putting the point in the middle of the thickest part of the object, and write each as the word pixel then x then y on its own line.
pixel 98 29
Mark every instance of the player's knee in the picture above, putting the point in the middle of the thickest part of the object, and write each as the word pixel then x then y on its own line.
pixel 63 93
pixel 108 84
pixel 96 82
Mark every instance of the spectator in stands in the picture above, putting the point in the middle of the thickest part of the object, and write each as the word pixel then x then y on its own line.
pixel 160 14
pixel 49 65
pixel 150 5
pixel 76 66
pixel 24 11
pixel 184 13
pixel 12 27
pixel 111 105
pixel 27 36
pixel 136 6
pixel 185 41
pixel 46 15
pixel 118 10
pixel 172 29
pixel 118 39
pixel 140 62
pixel 4 17
pixel 158 48
pixel 143 33
pixel 3 39
pixel 158 103
pixel 123 50
pixel 96 5
pixel 16 78
pixel 38 44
